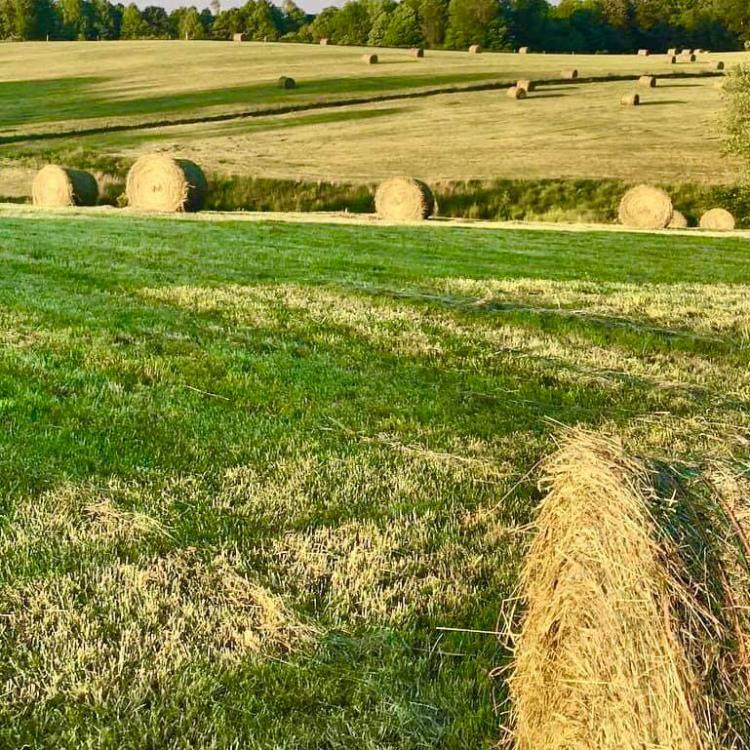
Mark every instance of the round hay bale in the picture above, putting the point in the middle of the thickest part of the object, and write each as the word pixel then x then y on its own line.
pixel 689 58
pixel 643 53
pixel 238 37
pixel 370 59
pixel 718 219
pixel 475 49
pixel 630 100
pixel 686 52
pixel 569 75
pixel 324 41
pixel 672 60
pixel 404 199
pixel 679 221
pixel 527 85
pixel 287 83
pixel 523 51
pixel 648 82
pixel 672 51
pixel 516 92
pixel 718 65
pixel 58 187
pixel 416 52
pixel 646 207
pixel 157 182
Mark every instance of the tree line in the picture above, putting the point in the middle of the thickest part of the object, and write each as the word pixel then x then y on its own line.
pixel 571 26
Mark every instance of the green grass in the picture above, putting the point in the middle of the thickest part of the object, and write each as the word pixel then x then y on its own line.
pixel 247 469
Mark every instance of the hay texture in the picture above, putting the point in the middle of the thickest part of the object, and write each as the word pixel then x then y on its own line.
pixel 58 187
pixel 287 83
pixel 416 52
pixel 646 207
pixel 569 75
pixel 516 92
pixel 718 219
pixel 630 100
pixel 370 59
pixel 475 49
pixel 679 221
pixel 648 82
pixel 598 665
pixel 160 183
pixel 404 199
pixel 526 84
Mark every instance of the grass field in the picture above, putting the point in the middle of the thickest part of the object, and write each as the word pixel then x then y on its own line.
pixel 51 92
pixel 248 470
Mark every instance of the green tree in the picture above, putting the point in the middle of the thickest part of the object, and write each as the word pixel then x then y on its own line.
pixel 323 26
pixel 433 20
pixel 475 22
pixel 190 25
pixel 351 25
pixel 403 28
pixel 132 23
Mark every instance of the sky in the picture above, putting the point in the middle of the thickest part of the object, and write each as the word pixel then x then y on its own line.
pixel 311 6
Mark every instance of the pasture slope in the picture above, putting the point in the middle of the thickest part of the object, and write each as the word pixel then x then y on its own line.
pixel 249 469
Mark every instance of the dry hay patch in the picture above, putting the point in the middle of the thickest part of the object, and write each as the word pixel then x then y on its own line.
pixel 84 634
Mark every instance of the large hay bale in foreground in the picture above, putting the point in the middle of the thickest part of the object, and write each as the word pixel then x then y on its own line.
pixel 475 49
pixel 646 207
pixel 526 84
pixel 370 59
pixel 160 183
pixel 679 221
pixel 287 83
pixel 515 92
pixel 598 663
pixel 648 82
pixel 569 75
pixel 59 187
pixel 718 219
pixel 404 199
pixel 416 52
pixel 630 100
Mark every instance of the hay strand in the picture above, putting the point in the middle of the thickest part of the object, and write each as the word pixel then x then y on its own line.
pixel 157 182
pixel 646 207
pixel 404 199
pixel 598 665
pixel 718 219
pixel 59 187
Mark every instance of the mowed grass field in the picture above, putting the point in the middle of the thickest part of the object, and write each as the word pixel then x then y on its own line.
pixel 249 470
pixel 130 93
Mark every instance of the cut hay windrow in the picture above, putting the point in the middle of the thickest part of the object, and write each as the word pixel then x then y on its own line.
pixel 598 665
pixel 59 187
pixel 157 182
pixel 718 219
pixel 404 199
pixel 646 207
